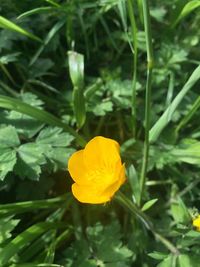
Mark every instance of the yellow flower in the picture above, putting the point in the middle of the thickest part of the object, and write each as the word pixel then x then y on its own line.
pixel 196 223
pixel 97 171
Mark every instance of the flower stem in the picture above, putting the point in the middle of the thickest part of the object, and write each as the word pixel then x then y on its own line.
pixel 134 41
pixel 125 202
pixel 148 37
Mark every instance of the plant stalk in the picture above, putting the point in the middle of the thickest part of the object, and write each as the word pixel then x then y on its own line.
pixel 148 37
pixel 125 202
pixel 134 41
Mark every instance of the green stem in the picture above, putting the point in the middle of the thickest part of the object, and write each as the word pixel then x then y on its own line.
pixel 189 115
pixel 125 202
pixel 134 36
pixel 148 92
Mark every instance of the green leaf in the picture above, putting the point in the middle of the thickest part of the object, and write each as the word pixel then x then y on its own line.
pixel 8 143
pixel 188 151
pixel 29 161
pixel 186 261
pixel 168 114
pixel 27 206
pixel 25 125
pixel 47 39
pixel 7 225
pixel 180 212
pixel 7 24
pixel 149 204
pixel 53 143
pixel 9 58
pixel 187 9
pixel 14 104
pixel 158 255
pixel 54 137
pixel 36 11
pixel 76 70
pixel 109 249
pixel 134 183
pixel 100 238
pixel 8 160
pixel 8 137
pixel 167 262
pixel 23 239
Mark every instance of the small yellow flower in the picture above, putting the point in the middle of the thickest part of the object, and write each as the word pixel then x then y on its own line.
pixel 196 223
pixel 97 171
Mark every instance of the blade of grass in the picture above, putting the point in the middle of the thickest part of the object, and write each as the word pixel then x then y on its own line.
pixel 189 115
pixel 148 38
pixel 21 240
pixel 47 39
pixel 7 24
pixel 168 114
pixel 17 105
pixel 21 207
pixel 36 11
pixel 187 9
pixel 134 41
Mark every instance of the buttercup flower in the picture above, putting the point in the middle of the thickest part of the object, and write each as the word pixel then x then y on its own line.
pixel 196 223
pixel 97 171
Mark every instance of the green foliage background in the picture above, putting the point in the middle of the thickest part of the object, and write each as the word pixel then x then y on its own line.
pixel 68 71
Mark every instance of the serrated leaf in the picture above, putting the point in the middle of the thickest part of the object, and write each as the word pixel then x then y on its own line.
pixel 149 204
pixel 102 108
pixel 9 141
pixel 54 137
pixel 59 156
pixel 30 159
pixel 7 161
pixel 7 224
pixel 100 238
pixel 108 248
pixel 25 125
pixel 8 137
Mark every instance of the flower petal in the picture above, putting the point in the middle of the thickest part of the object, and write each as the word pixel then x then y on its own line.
pixel 88 194
pixel 77 167
pixel 111 189
pixel 101 152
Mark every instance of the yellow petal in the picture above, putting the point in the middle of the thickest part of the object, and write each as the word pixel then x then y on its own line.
pixel 88 194
pixel 101 152
pixel 196 223
pixel 113 188
pixel 77 167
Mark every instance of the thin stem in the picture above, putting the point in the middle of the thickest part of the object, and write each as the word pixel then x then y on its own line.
pixel 134 36
pixel 125 202
pixel 148 92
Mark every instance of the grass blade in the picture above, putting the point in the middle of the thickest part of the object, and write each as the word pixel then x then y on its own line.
pixel 187 9
pixel 7 24
pixel 36 11
pixel 41 115
pixel 167 115
pixel 21 240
